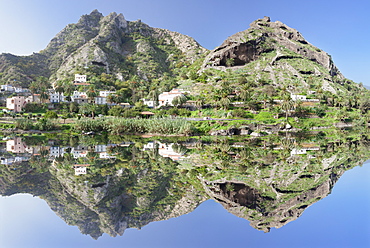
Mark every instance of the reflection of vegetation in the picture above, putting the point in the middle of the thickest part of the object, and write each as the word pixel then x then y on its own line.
pixel 269 181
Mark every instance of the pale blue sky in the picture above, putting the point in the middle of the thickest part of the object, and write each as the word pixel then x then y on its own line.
pixel 338 27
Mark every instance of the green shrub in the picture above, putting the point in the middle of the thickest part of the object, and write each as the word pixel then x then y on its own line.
pixel 24 124
pixel 50 115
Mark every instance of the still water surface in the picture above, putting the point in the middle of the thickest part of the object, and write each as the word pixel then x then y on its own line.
pixel 185 194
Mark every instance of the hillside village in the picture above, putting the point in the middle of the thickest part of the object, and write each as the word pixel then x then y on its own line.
pixel 24 96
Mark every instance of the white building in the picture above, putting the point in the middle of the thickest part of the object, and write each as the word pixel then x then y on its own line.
pixel 80 78
pixel 80 169
pixel 17 103
pixel 79 152
pixel 150 145
pixel 56 151
pixel 149 103
pixel 106 93
pixel 11 160
pixel 296 151
pixel 166 98
pixel 100 148
pixel 56 97
pixel 105 155
pixel 6 87
pixel 165 150
pixel 20 90
pixel 298 97
pixel 100 100
pixel 79 97
pixel 17 145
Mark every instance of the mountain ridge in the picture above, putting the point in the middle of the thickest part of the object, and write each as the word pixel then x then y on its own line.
pixel 268 52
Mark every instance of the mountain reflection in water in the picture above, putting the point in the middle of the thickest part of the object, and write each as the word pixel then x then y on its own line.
pixel 109 187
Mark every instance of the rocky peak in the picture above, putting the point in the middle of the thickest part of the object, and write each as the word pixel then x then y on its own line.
pixel 265 36
pixel 90 21
pixel 114 19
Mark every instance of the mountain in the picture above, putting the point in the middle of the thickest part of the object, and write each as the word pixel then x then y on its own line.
pixel 277 55
pixel 108 44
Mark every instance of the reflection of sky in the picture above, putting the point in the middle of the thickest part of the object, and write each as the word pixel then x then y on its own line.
pixel 340 220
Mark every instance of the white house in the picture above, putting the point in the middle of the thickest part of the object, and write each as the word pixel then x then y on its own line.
pixel 100 100
pixel 80 78
pixel 11 160
pixel 150 145
pixel 298 97
pixel 100 148
pixel 166 97
pixel 165 150
pixel 296 151
pixel 106 93
pixel 79 97
pixel 6 87
pixel 56 97
pixel 80 169
pixel 79 152
pixel 20 90
pixel 105 155
pixel 149 103
pixel 56 151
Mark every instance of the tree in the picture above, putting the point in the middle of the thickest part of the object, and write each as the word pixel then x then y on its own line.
pixel 153 95
pixel 225 102
pixel 68 89
pixel 73 107
pixel 44 96
pixel 39 85
pixel 116 111
pixel 245 95
pixel 91 93
pixel 179 100
pixel 287 105
pixel 51 115
pixel 199 102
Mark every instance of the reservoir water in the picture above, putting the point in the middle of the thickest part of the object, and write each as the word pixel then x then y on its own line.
pixel 184 193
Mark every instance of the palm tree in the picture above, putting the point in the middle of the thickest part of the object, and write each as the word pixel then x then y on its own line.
pixel 286 106
pixel 91 93
pixel 225 102
pixel 199 103
pixel 68 89
pixel 44 95
pixel 245 95
pixel 153 95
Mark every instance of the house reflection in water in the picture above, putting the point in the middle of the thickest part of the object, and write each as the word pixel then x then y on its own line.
pixel 165 150
pixel 80 169
pixel 16 145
